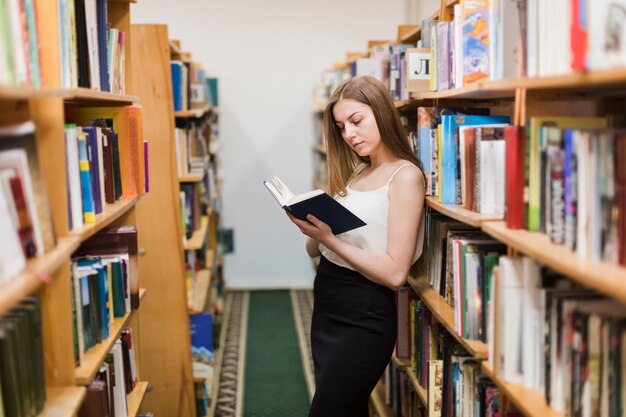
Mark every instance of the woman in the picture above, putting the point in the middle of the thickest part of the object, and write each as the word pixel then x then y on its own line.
pixel 373 173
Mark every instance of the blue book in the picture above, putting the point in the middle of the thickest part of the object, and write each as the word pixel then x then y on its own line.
pixel 202 351
pixel 103 53
pixel 449 152
pixel 103 295
pixel 85 179
pixel 94 166
pixel 176 68
pixel 569 176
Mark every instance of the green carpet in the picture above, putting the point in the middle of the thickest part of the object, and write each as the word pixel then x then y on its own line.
pixel 274 378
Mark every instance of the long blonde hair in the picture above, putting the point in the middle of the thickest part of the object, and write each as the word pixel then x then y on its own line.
pixel 342 160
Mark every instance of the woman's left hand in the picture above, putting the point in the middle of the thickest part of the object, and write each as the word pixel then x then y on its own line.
pixel 313 228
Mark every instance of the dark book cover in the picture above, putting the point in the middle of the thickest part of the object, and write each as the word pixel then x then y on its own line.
pixel 620 189
pixel 94 166
pixel 107 161
pixel 103 56
pixel 96 403
pixel 328 210
pixel 82 54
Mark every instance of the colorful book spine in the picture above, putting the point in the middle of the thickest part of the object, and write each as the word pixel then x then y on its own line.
pixel 476 59
pixel 89 214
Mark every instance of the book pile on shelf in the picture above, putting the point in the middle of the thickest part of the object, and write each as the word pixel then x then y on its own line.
pixel 25 220
pixel 192 88
pixel 105 285
pixel 558 339
pixel 22 385
pixel 115 379
pixel 93 54
pixel 107 160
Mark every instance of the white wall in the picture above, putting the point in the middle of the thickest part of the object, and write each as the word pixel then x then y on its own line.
pixel 268 56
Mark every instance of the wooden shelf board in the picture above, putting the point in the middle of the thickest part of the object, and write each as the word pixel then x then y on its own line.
pixel 200 292
pixel 409 105
pixel 529 402
pixel 135 398
pixel 89 96
pixel 320 148
pixel 110 213
pixel 445 315
pixel 401 363
pixel 451 3
pixel 411 36
pixel 577 81
pixel 198 237
pixel 460 213
pixel 193 113
pixel 421 392
pixel 603 277
pixel 190 178
pixel 37 270
pixel 94 357
pixel 19 93
pixel 487 89
pixel 377 400
pixel 63 401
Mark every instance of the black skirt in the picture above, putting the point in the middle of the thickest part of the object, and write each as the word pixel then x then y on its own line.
pixel 353 333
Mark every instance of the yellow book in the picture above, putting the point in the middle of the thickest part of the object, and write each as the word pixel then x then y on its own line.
pixel 536 146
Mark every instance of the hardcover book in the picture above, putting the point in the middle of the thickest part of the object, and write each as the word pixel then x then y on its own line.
pixel 315 202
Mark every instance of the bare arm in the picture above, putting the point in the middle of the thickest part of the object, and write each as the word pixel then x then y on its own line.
pixel 406 202
pixel 312 248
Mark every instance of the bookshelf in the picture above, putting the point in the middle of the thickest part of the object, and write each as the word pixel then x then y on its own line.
pixel 136 397
pixel 579 93
pixel 199 236
pixel 49 275
pixel 165 337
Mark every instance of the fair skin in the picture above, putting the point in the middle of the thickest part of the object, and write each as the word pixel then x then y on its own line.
pixel 406 196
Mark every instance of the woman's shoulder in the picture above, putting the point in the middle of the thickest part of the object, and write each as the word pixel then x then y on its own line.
pixel 408 175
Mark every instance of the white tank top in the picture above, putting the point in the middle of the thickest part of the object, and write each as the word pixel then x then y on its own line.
pixel 373 208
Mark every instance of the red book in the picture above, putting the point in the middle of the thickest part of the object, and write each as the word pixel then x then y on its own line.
pixel 470 168
pixel 514 137
pixel 25 226
pixel 578 35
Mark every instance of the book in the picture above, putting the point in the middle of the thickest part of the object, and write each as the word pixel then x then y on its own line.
pixel 317 203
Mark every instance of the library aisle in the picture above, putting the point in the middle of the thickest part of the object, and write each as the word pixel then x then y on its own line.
pixel 266 367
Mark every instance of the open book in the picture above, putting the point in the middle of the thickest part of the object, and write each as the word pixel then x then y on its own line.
pixel 315 202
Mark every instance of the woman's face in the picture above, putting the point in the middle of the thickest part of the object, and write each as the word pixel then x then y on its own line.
pixel 358 126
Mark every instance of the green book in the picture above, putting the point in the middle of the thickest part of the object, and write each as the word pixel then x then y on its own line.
pixel 8 369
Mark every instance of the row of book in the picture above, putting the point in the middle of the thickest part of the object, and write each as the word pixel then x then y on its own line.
pixel 107 159
pixel 22 380
pixel 25 217
pixel 480 43
pixel 561 340
pixel 455 387
pixel 93 53
pixel 192 88
pixel 563 176
pixel 105 285
pixel 192 138
pixel 115 379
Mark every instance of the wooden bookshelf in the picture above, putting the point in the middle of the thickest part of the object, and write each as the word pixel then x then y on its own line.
pixel 603 277
pixel 199 236
pixel 421 391
pixel 36 273
pixel 135 398
pixel 86 96
pixel 63 402
pixel 190 178
pixel 401 363
pixel 460 213
pixel 445 315
pixel 488 89
pixel 93 358
pixel 409 105
pixel 193 113
pixel 409 33
pixel 529 402
pixel 200 292
pixel 109 214
pixel 377 401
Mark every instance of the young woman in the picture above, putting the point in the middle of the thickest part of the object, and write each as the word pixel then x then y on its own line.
pixel 374 174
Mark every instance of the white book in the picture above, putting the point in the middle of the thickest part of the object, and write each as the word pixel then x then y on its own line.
pixel 509 47
pixel 72 47
pixel 370 66
pixel 18 44
pixel 510 283
pixel 582 145
pixel 530 312
pixel 492 182
pixel 458 47
pixel 91 22
pixel 119 390
pixel 472 263
pixel 73 178
pixel 12 260
pixel 16 159
pixel 607 31
pixel 532 35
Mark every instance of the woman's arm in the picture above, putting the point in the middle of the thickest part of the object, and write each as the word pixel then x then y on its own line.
pixel 312 248
pixel 406 202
